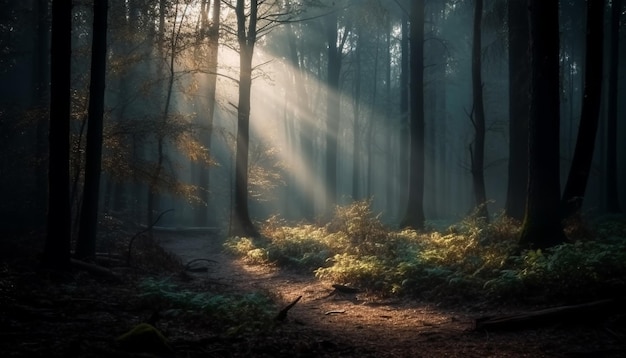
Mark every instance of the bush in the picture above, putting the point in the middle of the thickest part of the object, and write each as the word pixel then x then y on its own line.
pixel 469 260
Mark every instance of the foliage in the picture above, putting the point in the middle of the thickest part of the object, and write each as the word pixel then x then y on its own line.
pixel 238 312
pixel 567 270
pixel 470 259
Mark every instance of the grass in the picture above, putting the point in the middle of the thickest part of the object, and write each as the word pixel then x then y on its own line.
pixel 470 260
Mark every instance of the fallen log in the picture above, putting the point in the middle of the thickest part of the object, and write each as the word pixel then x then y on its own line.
pixel 586 312
pixel 95 270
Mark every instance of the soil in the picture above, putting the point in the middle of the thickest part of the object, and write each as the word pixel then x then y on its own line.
pixel 365 325
pixel 51 314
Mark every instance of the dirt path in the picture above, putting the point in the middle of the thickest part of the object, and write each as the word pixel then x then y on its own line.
pixel 377 328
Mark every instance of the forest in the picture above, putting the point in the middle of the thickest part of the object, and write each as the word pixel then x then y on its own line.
pixel 230 178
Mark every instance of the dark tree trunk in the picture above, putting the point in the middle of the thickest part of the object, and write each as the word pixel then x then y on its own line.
pixel 403 181
pixel 574 192
pixel 477 150
pixel 414 217
pixel 389 138
pixel 519 106
pixel 542 221
pixel 332 111
pixel 41 76
pixel 371 123
pixel 612 192
pixel 86 243
pixel 57 246
pixel 242 224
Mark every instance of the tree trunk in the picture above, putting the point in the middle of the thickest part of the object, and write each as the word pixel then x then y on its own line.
pixel 574 192
pixel 213 35
pixel 57 246
pixel 414 217
pixel 542 220
pixel 389 137
pixel 242 224
pixel 403 181
pixel 356 128
pixel 86 243
pixel 371 123
pixel 519 105
pixel 612 192
pixel 332 112
pixel 586 312
pixel 41 70
pixel 477 151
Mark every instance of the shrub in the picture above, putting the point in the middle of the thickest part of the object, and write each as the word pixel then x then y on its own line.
pixel 468 260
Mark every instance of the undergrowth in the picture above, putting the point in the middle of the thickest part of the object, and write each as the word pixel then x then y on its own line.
pixel 251 312
pixel 472 259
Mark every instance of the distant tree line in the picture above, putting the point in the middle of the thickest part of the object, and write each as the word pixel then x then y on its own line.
pixel 131 109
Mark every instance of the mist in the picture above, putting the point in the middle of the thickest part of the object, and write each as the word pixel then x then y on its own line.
pixel 194 121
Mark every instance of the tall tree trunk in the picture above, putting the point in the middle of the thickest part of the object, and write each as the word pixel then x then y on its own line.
pixel 389 207
pixel 213 35
pixel 414 216
pixel 57 246
pixel 574 192
pixel 41 71
pixel 371 123
pixel 86 243
pixel 403 181
pixel 356 128
pixel 612 192
pixel 242 224
pixel 477 151
pixel 332 111
pixel 519 106
pixel 542 220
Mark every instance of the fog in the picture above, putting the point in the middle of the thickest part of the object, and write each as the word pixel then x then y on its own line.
pixel 289 114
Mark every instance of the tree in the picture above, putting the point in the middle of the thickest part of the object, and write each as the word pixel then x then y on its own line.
pixel 414 216
pixel 356 125
pixel 477 150
pixel 403 181
pixel 574 192
pixel 246 38
pixel 41 79
pixel 210 30
pixel 542 220
pixel 57 246
pixel 519 105
pixel 86 243
pixel 612 193
pixel 332 106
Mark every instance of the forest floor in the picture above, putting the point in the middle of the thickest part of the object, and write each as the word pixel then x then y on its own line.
pixel 51 314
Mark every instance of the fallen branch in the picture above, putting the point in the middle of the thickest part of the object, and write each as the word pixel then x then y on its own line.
pixel 573 313
pixel 132 239
pixel 346 289
pixel 95 270
pixel 282 315
pixel 188 265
